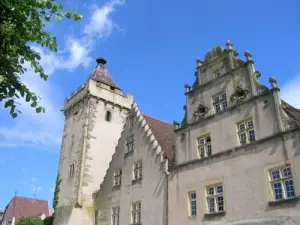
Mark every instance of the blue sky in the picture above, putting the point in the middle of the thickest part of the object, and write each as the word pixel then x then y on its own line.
pixel 151 47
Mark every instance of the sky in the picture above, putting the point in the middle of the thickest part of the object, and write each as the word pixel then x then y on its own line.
pixel 151 47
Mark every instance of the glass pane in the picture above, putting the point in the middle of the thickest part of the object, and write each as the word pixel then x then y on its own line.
pixel 211 205
pixel 224 105
pixel 250 124
pixel 219 189
pixel 251 135
pixel 277 188
pixel 220 203
pixel 243 138
pixel 287 172
pixel 208 149
pixel 289 188
pixel 210 190
pixel 275 174
pixel 223 96
pixel 241 126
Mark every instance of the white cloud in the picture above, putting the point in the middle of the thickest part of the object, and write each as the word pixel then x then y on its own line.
pixel 36 188
pixel 52 190
pixel 44 131
pixel 290 91
pixel 101 24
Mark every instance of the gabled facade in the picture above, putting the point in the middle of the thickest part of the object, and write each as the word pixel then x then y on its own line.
pixel 237 149
pixel 234 158
pixel 134 190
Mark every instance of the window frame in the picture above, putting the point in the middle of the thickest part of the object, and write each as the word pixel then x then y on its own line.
pixel 137 167
pixel 214 196
pixel 271 181
pixel 190 200
pixel 71 170
pixel 129 145
pixel 136 212
pixel 220 102
pixel 115 214
pixel 117 177
pixel 245 131
pixel 205 146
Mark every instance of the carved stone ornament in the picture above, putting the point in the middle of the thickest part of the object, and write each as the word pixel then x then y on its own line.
pixel 201 110
pixel 239 94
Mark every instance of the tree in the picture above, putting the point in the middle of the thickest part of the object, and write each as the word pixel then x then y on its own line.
pixel 56 191
pixel 48 220
pixel 22 23
pixel 30 221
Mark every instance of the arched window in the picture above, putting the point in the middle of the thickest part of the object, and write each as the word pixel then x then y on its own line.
pixel 108 116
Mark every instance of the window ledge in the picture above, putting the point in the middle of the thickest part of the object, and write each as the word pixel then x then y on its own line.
pixel 127 154
pixel 282 201
pixel 215 214
pixel 193 217
pixel 117 187
pixel 135 224
pixel 137 181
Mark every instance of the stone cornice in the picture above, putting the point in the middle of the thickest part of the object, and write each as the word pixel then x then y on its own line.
pixel 228 152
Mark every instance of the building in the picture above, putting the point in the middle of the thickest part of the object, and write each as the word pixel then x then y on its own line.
pixel 19 207
pixel 234 158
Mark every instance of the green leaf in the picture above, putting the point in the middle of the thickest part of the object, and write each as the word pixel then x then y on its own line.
pixel 38 110
pixel 48 5
pixel 58 17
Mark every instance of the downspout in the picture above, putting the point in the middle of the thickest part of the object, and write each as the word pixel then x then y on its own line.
pixel 167 190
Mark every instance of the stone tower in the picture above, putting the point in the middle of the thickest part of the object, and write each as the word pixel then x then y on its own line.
pixel 94 118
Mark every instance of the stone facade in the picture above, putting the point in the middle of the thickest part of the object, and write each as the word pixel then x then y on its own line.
pixel 94 118
pixel 234 158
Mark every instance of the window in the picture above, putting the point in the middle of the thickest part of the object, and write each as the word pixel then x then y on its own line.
pixel 217 73
pixel 117 177
pixel 282 184
pixel 129 144
pixel 204 146
pixel 71 170
pixel 131 122
pixel 192 203
pixel 96 217
pixel 220 102
pixel 246 131
pixel 137 170
pixel 115 215
pixel 108 116
pixel 215 198
pixel 136 213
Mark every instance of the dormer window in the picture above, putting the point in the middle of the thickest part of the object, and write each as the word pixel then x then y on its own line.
pixel 220 102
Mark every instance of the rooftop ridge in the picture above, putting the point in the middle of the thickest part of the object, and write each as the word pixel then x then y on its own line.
pixel 157 119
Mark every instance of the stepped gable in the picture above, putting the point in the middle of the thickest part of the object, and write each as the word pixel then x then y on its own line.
pixel 101 74
pixel 163 133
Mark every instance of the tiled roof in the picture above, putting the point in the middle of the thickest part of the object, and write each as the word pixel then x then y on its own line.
pixel 291 111
pixel 101 74
pixel 163 133
pixel 26 207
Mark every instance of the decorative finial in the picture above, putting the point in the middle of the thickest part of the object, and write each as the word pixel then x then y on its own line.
pixel 101 60
pixel 187 88
pixel 248 56
pixel 176 124
pixel 199 62
pixel 229 45
pixel 273 82
pixel 184 107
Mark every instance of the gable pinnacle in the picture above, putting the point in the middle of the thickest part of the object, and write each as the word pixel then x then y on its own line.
pixel 101 60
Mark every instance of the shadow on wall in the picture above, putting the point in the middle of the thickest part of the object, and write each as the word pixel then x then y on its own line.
pixel 62 215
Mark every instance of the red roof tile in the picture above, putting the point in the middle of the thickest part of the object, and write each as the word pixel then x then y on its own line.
pixel 26 207
pixel 163 133
pixel 101 74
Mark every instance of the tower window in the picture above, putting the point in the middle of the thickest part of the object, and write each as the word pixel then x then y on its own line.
pixel 108 116
pixel 71 170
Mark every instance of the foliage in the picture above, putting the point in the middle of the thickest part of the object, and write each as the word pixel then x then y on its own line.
pixel 48 220
pixel 22 23
pixel 56 191
pixel 30 221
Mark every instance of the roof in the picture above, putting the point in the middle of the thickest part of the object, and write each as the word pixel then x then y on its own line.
pixel 291 111
pixel 163 132
pixel 26 207
pixel 101 74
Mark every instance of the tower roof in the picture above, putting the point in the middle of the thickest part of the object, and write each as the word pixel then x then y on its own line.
pixel 101 74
